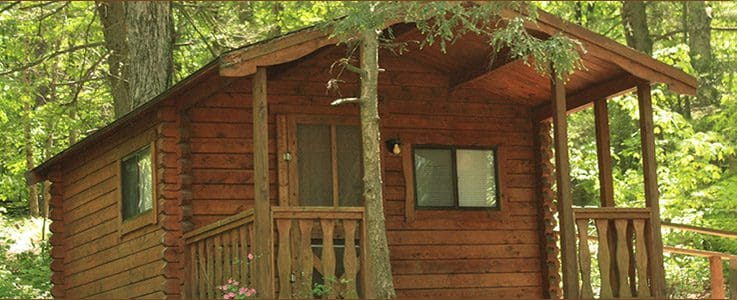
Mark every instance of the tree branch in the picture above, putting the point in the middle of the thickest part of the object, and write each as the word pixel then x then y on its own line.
pixel 197 30
pixel 49 56
pixel 345 62
pixel 724 28
pixel 9 6
pixel 345 101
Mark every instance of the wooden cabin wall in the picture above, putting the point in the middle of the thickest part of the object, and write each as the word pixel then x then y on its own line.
pixel 447 253
pixel 98 261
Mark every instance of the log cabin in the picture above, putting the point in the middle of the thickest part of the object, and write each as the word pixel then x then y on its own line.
pixel 247 156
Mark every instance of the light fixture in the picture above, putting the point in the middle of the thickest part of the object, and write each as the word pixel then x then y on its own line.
pixel 393 145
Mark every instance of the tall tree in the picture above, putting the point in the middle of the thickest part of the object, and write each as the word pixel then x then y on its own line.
pixel 698 30
pixel 636 31
pixel 140 38
pixel 364 23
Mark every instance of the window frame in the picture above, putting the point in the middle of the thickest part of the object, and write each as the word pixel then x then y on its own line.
pixel 454 161
pixel 145 218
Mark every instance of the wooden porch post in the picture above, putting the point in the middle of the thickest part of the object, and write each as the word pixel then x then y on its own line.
pixel 263 264
pixel 647 137
pixel 604 155
pixel 563 181
pixel 717 278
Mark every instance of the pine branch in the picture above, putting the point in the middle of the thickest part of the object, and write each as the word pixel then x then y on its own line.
pixel 50 56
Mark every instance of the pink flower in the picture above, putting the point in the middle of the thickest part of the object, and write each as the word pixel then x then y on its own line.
pixel 248 293
pixel 226 297
pixel 242 291
pixel 231 295
pixel 230 281
pixel 253 291
pixel 224 287
pixel 236 283
pixel 250 256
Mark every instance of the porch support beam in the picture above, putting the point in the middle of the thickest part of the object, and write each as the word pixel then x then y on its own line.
pixel 581 99
pixel 264 268
pixel 603 153
pixel 647 138
pixel 563 181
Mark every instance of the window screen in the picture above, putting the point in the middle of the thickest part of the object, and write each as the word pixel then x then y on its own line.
pixel 321 150
pixel 450 177
pixel 137 183
pixel 315 178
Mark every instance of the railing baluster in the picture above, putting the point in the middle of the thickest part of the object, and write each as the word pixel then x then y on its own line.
pixel 584 257
pixel 643 290
pixel 284 259
pixel 210 280
pixel 305 260
pixel 350 260
pixel 251 250
pixel 623 258
pixel 605 258
pixel 218 280
pixel 227 264
pixel 328 255
pixel 243 256
pixel 235 261
pixel 191 289
pixel 200 270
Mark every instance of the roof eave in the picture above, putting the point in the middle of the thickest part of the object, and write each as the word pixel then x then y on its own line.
pixel 40 172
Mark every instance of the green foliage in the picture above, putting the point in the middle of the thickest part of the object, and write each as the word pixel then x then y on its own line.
pixel 24 259
pixel 444 22
pixel 695 145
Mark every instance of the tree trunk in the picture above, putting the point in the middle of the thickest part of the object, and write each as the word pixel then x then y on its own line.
pixel 140 38
pixel 698 29
pixel 30 163
pixel 634 20
pixel 380 284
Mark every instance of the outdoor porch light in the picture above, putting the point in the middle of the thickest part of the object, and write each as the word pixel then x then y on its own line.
pixel 393 146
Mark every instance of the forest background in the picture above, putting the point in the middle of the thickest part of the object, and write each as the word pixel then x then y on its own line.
pixel 60 71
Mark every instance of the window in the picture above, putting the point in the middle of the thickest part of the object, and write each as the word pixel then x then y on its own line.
pixel 136 183
pixel 452 177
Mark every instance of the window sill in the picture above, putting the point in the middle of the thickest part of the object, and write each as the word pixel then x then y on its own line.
pixel 137 222
pixel 462 213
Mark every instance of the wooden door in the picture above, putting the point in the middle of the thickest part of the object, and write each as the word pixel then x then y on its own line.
pixel 324 161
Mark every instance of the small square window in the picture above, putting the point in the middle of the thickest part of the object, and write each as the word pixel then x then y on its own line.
pixel 451 177
pixel 136 183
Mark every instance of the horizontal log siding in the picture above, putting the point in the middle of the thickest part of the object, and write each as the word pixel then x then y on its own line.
pixel 440 253
pixel 98 263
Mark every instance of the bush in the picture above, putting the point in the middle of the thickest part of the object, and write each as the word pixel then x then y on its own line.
pixel 24 258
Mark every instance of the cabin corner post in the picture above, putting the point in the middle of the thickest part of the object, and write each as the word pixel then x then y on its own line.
pixel 58 251
pixel 647 137
pixel 546 208
pixel 170 212
pixel 263 264
pixel 569 261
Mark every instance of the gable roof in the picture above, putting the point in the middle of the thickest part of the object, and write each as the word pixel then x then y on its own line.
pixel 295 45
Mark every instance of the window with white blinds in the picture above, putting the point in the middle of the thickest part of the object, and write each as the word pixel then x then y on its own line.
pixel 447 177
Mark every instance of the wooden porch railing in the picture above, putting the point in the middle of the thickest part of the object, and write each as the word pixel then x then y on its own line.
pixel 217 252
pixel 303 230
pixel 623 250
